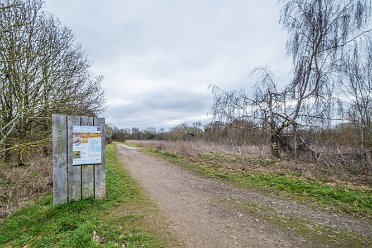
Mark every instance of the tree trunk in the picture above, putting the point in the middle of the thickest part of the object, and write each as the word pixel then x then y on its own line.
pixel 369 167
pixel 20 158
pixel 6 153
pixel 275 138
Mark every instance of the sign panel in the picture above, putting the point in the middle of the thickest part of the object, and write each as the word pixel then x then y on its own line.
pixel 86 149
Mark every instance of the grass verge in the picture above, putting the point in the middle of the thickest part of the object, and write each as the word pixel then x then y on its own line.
pixel 340 198
pixel 120 220
pixel 312 234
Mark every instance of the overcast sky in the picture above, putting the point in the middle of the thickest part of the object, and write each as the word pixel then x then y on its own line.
pixel 158 57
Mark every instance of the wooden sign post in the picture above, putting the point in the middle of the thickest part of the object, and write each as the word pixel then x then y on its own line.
pixel 78 158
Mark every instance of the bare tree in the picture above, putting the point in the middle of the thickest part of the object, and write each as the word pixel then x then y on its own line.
pixel 357 82
pixel 42 71
pixel 321 34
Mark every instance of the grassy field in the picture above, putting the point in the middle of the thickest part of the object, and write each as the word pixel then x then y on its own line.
pixel 125 219
pixel 339 197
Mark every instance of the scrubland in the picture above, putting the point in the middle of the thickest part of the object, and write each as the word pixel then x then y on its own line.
pixel 336 187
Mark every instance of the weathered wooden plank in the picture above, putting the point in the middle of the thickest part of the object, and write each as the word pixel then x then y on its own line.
pixel 100 170
pixel 87 171
pixel 59 160
pixel 74 172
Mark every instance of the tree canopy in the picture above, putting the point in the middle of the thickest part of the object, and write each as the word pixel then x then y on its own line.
pixel 43 70
pixel 322 37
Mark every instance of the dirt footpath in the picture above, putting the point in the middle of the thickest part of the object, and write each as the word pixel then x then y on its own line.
pixel 208 213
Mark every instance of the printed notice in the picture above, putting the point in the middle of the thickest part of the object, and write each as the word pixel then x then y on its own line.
pixel 86 149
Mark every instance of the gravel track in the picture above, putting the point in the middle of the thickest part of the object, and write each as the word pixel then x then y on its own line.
pixel 205 212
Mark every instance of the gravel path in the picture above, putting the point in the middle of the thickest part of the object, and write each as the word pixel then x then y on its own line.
pixel 208 213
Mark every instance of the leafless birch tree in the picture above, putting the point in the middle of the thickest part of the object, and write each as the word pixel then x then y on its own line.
pixel 322 33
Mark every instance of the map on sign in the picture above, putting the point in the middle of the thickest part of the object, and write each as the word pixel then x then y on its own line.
pixel 86 148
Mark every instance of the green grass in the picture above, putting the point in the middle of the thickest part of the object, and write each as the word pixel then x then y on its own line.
pixel 121 219
pixel 340 198
pixel 316 235
pixel 264 162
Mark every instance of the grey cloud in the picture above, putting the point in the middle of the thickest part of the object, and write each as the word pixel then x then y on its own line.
pixel 173 100
pixel 159 56
pixel 160 108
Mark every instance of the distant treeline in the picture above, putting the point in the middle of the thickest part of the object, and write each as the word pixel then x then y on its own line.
pixel 237 133
pixel 333 147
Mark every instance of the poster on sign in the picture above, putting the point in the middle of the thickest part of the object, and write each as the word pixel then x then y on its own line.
pixel 86 148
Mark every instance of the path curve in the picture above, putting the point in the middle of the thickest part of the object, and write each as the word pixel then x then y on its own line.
pixel 200 212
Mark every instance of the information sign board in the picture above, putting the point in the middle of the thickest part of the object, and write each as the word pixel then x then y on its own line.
pixel 86 148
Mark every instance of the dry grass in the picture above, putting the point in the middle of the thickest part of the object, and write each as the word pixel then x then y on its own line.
pixel 195 148
pixel 22 185
pixel 256 159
